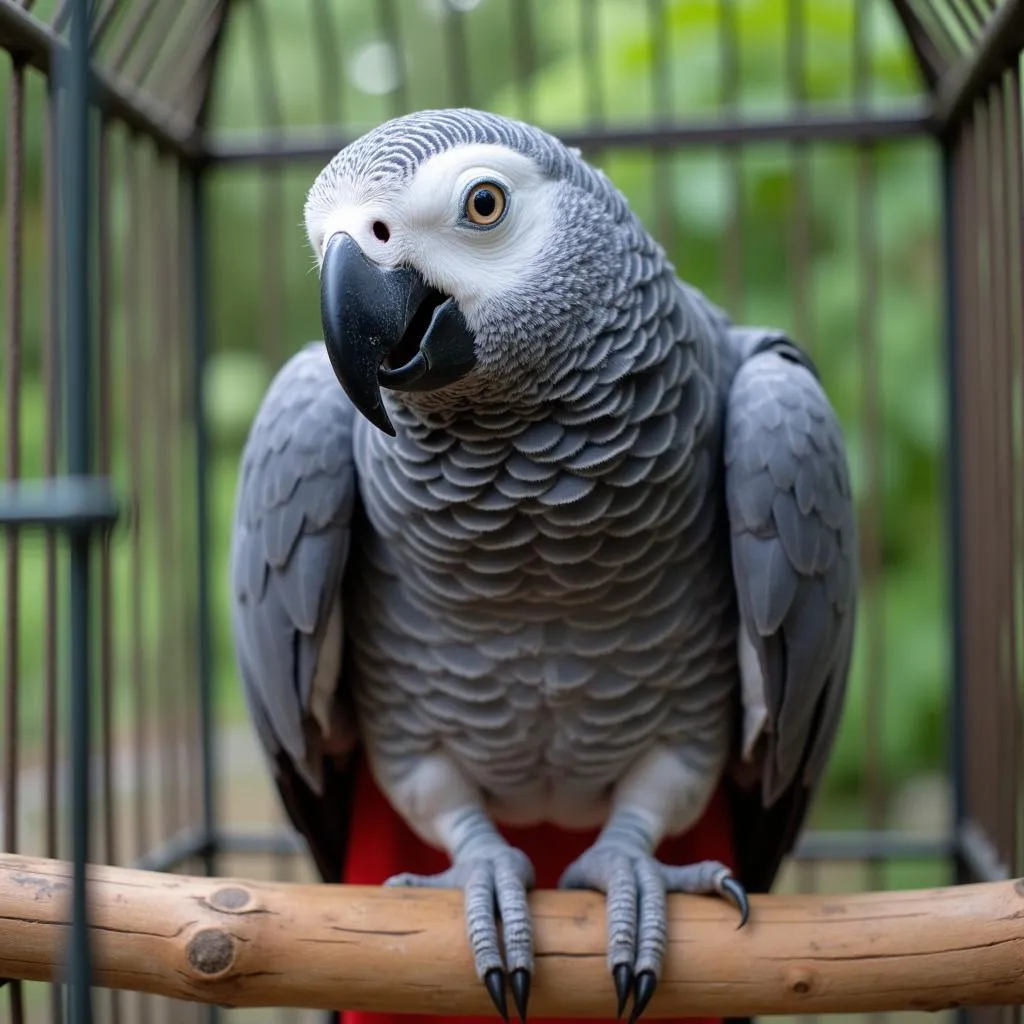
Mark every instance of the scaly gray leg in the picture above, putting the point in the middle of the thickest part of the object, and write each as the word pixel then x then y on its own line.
pixel 492 874
pixel 622 866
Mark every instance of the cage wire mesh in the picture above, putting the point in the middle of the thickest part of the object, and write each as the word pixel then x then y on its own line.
pixel 848 170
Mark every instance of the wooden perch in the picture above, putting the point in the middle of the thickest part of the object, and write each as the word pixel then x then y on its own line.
pixel 247 943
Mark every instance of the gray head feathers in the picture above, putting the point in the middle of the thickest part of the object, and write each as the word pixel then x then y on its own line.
pixel 394 150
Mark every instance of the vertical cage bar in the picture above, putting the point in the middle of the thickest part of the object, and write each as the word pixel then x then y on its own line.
pixel 265 81
pixel 967 245
pixel 182 552
pixel 173 373
pixel 661 94
pixel 954 487
pixel 458 54
pixel 387 17
pixel 325 43
pixel 51 436
pixel 523 53
pixel 974 598
pixel 988 789
pixel 167 724
pixel 103 440
pixel 1011 297
pixel 872 521
pixel 1015 172
pixel 590 48
pixel 592 61
pixel 199 329
pixel 729 43
pixel 800 225
pixel 808 872
pixel 13 199
pixel 999 286
pixel 135 384
pixel 977 598
pixel 273 199
pixel 76 177
pixel 975 594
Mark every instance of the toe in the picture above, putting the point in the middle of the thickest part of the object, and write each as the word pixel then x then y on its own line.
pixel 733 891
pixel 481 926
pixel 621 913
pixel 445 880
pixel 517 926
pixel 646 983
pixel 623 975
pixel 494 979
pixel 521 992
pixel 652 927
pixel 510 892
pixel 611 872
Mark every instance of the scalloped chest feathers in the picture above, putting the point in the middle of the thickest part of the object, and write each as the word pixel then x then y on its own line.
pixel 547 598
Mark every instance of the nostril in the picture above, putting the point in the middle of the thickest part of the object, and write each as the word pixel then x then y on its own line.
pixel 380 230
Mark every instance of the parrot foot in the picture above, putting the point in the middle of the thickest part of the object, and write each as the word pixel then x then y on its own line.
pixel 635 885
pixel 500 880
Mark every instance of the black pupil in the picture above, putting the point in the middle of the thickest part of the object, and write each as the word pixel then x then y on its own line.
pixel 484 202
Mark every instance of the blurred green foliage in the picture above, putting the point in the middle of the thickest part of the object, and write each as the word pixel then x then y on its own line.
pixel 836 242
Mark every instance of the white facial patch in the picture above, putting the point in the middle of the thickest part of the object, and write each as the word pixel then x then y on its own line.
pixel 355 211
pixel 426 227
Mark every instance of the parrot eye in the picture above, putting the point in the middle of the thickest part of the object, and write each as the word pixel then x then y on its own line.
pixel 485 204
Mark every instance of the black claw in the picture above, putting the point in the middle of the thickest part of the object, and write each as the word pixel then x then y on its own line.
pixel 623 975
pixel 521 991
pixel 494 979
pixel 646 983
pixel 738 895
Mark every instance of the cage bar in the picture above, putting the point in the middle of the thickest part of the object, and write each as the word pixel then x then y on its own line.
pixel 76 179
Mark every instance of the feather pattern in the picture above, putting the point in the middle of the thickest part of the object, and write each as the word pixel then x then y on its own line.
pixel 794 557
pixel 586 532
pixel 296 499
pixel 631 526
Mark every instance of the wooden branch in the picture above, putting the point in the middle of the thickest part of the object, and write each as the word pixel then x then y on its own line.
pixel 247 943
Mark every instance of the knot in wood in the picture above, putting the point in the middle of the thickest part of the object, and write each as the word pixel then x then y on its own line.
pixel 210 951
pixel 799 981
pixel 231 897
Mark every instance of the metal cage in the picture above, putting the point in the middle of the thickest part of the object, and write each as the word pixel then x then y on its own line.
pixel 852 170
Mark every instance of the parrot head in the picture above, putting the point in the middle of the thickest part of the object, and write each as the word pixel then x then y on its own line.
pixel 461 254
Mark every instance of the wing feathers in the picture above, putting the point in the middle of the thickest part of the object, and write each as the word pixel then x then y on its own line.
pixel 290 543
pixel 793 546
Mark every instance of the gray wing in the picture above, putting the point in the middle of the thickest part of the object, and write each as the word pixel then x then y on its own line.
pixel 793 536
pixel 297 495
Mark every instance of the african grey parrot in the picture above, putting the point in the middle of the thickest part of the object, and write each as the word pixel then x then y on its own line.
pixel 566 546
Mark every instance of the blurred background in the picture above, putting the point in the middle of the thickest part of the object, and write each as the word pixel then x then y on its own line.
pixel 836 240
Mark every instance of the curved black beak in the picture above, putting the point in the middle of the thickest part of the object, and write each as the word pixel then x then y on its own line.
pixel 370 313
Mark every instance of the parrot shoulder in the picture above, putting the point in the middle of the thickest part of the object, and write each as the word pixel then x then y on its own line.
pixel 793 544
pixel 295 509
